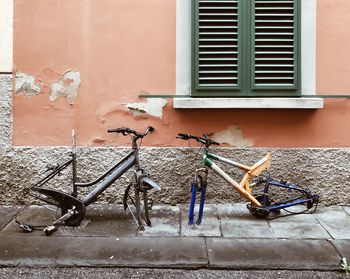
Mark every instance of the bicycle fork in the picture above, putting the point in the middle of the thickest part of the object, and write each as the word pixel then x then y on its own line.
pixel 138 187
pixel 199 184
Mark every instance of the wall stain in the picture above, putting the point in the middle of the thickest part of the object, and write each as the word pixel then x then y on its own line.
pixel 153 107
pixel 233 136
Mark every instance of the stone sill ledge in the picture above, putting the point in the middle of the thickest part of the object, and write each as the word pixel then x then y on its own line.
pixel 250 103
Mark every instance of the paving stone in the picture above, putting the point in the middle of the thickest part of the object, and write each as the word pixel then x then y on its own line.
pixel 165 221
pixel 335 220
pixel 104 220
pixel 236 221
pixel 343 247
pixel 210 225
pixel 103 251
pixel 107 237
pixel 100 220
pixel 33 215
pixel 266 254
pixel 298 226
pixel 347 209
pixel 7 213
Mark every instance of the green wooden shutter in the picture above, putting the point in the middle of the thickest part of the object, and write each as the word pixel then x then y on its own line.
pixel 275 45
pixel 216 59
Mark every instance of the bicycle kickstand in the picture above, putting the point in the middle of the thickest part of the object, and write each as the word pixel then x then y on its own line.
pixel 54 226
pixel 199 184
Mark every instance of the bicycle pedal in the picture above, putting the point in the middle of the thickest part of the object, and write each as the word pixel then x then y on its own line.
pixel 50 229
pixel 25 227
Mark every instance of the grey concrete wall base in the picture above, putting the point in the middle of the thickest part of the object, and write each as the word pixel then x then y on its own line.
pixel 324 171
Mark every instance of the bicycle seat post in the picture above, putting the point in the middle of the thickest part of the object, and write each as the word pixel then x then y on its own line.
pixel 136 152
pixel 74 165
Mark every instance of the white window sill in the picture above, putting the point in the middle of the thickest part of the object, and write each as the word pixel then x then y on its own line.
pixel 251 103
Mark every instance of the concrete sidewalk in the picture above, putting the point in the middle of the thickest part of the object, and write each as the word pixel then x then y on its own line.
pixel 229 238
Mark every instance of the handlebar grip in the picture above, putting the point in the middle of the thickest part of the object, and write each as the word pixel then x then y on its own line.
pixel 149 130
pixel 114 130
pixel 184 136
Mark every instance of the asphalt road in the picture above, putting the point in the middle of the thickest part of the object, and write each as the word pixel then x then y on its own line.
pixel 117 273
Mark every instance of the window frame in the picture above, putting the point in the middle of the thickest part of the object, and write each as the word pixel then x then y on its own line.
pixel 246 72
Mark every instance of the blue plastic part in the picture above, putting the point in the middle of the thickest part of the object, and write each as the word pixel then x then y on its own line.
pixel 201 205
pixel 291 202
pixel 192 203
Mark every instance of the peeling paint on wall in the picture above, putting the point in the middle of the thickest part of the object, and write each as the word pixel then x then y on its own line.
pixel 233 136
pixel 67 87
pixel 153 107
pixel 25 84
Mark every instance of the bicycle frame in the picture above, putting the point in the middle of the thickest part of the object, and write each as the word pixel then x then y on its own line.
pixel 73 208
pixel 260 206
pixel 244 187
pixel 109 177
pixel 290 202
pixel 106 179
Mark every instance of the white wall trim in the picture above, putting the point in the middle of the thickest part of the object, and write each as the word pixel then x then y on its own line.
pixel 308 47
pixel 183 47
pixel 6 36
pixel 249 103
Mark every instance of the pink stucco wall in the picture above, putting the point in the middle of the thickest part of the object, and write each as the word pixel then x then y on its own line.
pixel 333 44
pixel 126 48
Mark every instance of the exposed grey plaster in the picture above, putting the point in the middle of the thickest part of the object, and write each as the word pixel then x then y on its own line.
pixel 153 107
pixel 66 87
pixel 6 137
pixel 25 84
pixel 324 171
pixel 5 112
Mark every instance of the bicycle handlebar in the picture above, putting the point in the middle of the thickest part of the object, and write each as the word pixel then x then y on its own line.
pixel 127 131
pixel 205 140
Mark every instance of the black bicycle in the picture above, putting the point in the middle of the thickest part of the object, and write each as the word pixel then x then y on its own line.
pixel 73 208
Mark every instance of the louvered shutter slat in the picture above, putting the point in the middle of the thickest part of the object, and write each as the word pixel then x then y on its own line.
pixel 217 47
pixel 274 45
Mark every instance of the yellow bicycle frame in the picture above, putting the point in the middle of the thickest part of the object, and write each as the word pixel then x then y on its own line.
pixel 244 187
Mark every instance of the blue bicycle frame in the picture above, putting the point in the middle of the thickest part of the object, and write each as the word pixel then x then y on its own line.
pixel 306 196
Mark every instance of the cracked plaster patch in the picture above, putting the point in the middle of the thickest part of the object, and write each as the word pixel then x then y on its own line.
pixel 67 87
pixel 233 136
pixel 153 107
pixel 25 84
